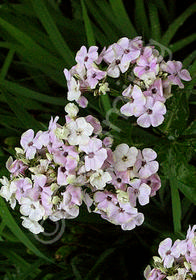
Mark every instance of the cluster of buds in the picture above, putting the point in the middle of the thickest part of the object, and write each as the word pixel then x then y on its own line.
pixel 55 171
pixel 139 70
pixel 177 261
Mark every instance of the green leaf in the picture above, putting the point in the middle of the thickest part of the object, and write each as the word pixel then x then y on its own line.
pixel 177 114
pixel 23 116
pixel 171 170
pixel 191 57
pixel 6 65
pixel 160 4
pixel 107 27
pixel 175 25
pixel 183 43
pixel 88 27
pixel 53 32
pixel 186 178
pixel 191 129
pixel 28 93
pixel 154 22
pixel 176 203
pixel 141 20
pixel 12 225
pixel 34 49
pixel 122 17
pixel 95 271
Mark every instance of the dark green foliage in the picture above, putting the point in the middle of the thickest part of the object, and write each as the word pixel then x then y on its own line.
pixel 38 39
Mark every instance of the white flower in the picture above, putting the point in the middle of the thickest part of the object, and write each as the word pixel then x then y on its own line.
pixel 8 191
pixel 72 110
pixel 74 90
pixel 103 88
pixel 124 157
pixel 99 179
pixel 33 226
pixel 80 130
pixel 31 208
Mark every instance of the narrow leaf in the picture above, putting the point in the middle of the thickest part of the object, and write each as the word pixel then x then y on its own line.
pixel 122 17
pixel 154 22
pixel 183 43
pixel 6 64
pixel 88 27
pixel 28 93
pixel 141 20
pixel 175 25
pixel 53 32
pixel 12 225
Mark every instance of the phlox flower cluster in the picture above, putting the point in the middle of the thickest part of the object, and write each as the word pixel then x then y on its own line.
pixel 176 261
pixel 145 78
pixel 57 170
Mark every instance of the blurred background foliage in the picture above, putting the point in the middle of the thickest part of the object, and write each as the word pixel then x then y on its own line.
pixel 38 39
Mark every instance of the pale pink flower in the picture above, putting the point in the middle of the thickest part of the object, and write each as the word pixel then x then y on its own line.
pixel 94 75
pixel 139 191
pixel 146 163
pixel 136 101
pixel 165 251
pixel 95 154
pixel 80 130
pixel 124 157
pixel 147 65
pixel 99 179
pixel 87 57
pixel 156 91
pixel 174 68
pixel 153 115
pixel 27 142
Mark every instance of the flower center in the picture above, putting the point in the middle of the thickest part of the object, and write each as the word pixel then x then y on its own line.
pixel 147 68
pixel 63 169
pixel 30 144
pixel 65 154
pixel 86 58
pixel 149 111
pixel 136 191
pixel 126 51
pixel 119 180
pixel 91 155
pixel 124 158
pixel 109 198
pixel 154 90
pixel 117 61
pixel 94 75
pixel 78 132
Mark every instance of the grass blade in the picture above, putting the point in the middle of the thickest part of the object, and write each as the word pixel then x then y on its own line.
pixel 175 25
pixel 106 26
pixel 176 204
pixel 6 65
pixel 91 40
pixel 141 20
pixel 191 57
pixel 98 265
pixel 12 225
pixel 88 27
pixel 154 22
pixel 53 32
pixel 28 93
pixel 36 50
pixel 183 43
pixel 160 4
pixel 23 116
pixel 122 18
